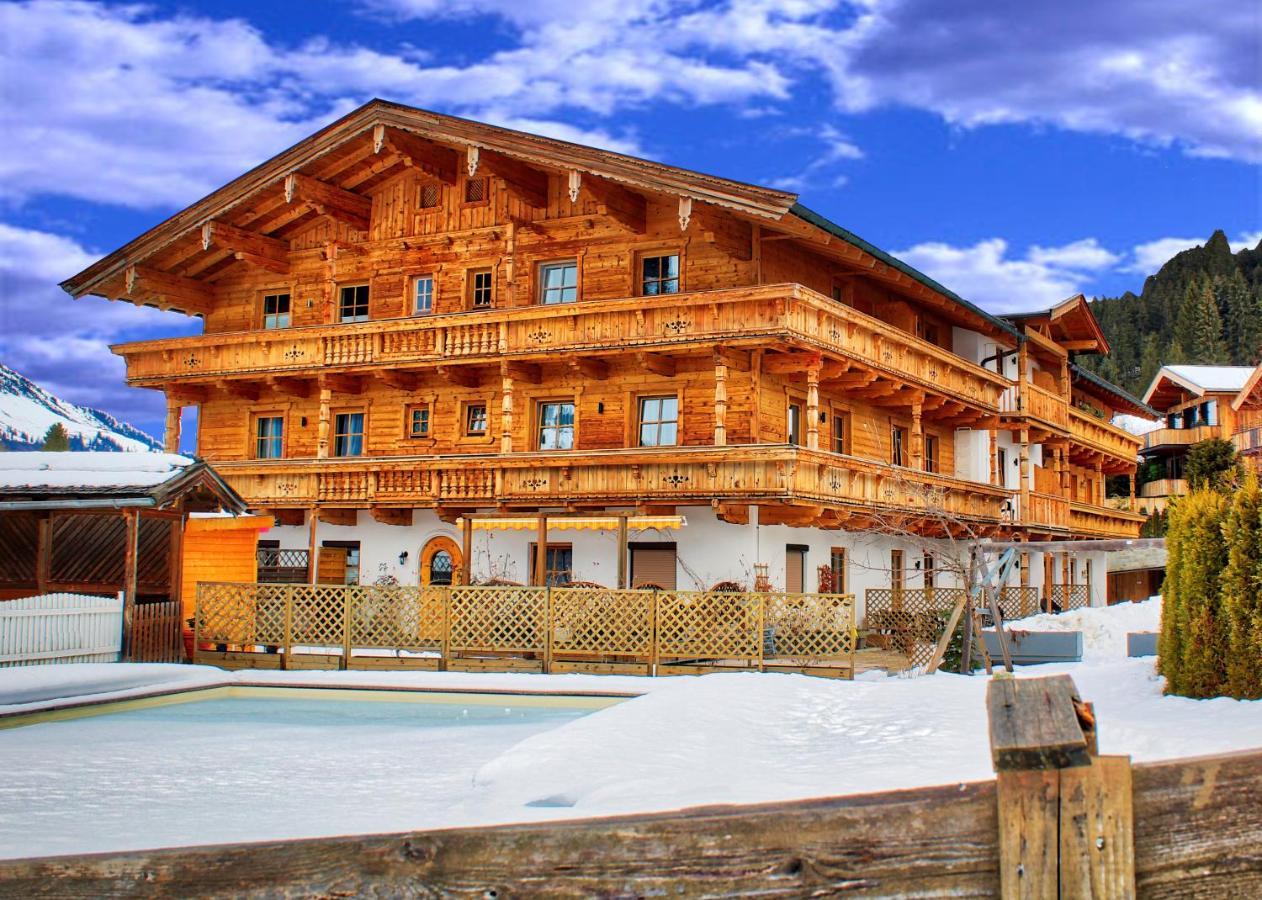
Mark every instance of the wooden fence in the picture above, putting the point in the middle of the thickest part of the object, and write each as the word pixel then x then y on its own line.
pixel 1059 821
pixel 541 629
pixel 60 628
pixel 157 633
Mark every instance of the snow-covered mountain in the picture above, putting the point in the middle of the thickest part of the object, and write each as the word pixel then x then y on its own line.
pixel 27 411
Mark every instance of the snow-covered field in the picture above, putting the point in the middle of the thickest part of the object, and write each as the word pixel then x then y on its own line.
pixel 736 738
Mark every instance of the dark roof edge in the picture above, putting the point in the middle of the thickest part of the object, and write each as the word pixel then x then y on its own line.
pixel 1113 389
pixel 836 230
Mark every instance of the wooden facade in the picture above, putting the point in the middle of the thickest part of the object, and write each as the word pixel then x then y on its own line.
pixel 380 334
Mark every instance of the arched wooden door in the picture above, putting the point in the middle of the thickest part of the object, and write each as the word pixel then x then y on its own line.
pixel 440 562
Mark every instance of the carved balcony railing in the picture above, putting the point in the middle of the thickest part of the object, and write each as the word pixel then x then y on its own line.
pixel 1045 510
pixel 1089 431
pixel 786 313
pixel 1180 437
pixel 1104 521
pixel 746 473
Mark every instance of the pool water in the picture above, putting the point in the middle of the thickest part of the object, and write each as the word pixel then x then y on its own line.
pixel 253 768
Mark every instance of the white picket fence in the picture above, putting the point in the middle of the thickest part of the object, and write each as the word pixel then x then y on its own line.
pixel 60 628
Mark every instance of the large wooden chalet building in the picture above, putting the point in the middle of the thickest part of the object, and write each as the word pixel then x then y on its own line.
pixel 424 337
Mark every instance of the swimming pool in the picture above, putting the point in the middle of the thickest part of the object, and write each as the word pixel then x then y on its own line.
pixel 249 764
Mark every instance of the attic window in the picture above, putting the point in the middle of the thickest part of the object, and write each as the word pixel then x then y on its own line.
pixel 430 195
pixel 475 190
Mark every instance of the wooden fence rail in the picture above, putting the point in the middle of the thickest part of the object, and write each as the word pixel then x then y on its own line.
pixel 557 629
pixel 60 628
pixel 157 633
pixel 1058 822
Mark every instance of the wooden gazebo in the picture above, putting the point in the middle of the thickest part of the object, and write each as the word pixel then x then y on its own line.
pixel 105 523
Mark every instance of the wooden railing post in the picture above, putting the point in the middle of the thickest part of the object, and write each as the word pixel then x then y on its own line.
pixel 1066 821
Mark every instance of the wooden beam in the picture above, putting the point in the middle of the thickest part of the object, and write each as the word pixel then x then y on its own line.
pixel 524 181
pixel 188 395
pixel 459 375
pixel 287 516
pixel 290 387
pixel 396 378
pixel 338 515
pixel 589 367
pixel 626 208
pixel 265 252
pixel 246 390
pixel 733 359
pixel 520 371
pixel 168 291
pixel 657 364
pixel 434 160
pixel 787 363
pixel 342 384
pixel 329 200
pixel 391 516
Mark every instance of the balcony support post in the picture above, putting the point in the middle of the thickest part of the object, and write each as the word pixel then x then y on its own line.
pixel 1024 459
pixel 812 405
pixel 541 553
pixel 466 550
pixel 322 433
pixel 994 458
pixel 1099 483
pixel 313 547
pixel 171 434
pixel 720 404
pixel 1131 480
pixel 623 552
pixel 917 436
pixel 506 411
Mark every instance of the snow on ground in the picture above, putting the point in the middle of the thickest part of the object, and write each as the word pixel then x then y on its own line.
pixel 734 738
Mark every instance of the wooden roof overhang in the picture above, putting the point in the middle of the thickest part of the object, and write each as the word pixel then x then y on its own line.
pixel 198 485
pixel 331 174
pixel 1250 395
pixel 1121 400
pixel 1070 324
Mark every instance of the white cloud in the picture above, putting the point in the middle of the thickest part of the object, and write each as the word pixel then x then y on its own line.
pixel 989 276
pixel 837 149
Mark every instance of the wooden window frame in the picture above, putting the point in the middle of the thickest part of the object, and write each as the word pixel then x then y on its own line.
pixel 841 577
pixel 928 571
pixel 410 408
pixel 351 285
pixel 465 181
pixel 637 267
pixel 536 419
pixel 466 407
pixel 841 414
pixel 904 444
pixel 262 306
pixel 348 546
pixel 540 268
pixel 421 186
pixel 792 399
pixel 533 549
pixel 930 438
pixel 433 293
pixel 638 414
pixel 270 413
pixel 470 282
pixel 898 569
pixel 347 411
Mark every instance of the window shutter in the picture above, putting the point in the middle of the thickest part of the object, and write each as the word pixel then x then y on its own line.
pixel 332 566
pixel 794 569
pixel 653 565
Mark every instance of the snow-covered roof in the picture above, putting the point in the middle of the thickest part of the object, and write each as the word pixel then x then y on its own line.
pixel 1196 380
pixel 89 471
pixel 1135 424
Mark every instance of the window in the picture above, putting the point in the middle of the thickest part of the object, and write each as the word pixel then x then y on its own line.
pixel 418 421
pixel 475 190
pixel 931 453
pixel 928 572
pixel 896 570
pixel 348 434
pixel 841 431
pixel 423 295
pixel 559 565
pixel 429 196
pixel 659 421
pixel 276 311
pixel 659 275
pixel 1209 412
pixel 837 569
pixel 352 304
pixel 795 568
pixel 1001 463
pixel 898 445
pixel 558 282
pixel 930 333
pixel 480 288
pixel 269 433
pixel 795 424
pixel 339 562
pixel 556 426
pixel 475 419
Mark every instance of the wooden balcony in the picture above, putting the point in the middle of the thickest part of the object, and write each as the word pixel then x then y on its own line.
pixel 1104 521
pixel 1045 408
pixel 1046 511
pixel 1165 487
pixel 1180 437
pixel 673 475
pixel 764 315
pixel 1095 434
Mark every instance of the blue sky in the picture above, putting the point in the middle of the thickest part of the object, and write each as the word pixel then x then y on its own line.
pixel 1017 152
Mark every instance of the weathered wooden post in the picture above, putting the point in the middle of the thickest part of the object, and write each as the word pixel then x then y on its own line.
pixel 1066 821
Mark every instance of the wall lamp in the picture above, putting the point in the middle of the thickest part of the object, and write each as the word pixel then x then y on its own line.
pixel 403 558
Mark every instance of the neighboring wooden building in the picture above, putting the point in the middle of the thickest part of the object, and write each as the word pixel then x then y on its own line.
pixel 105 523
pixel 1197 403
pixel 415 325
pixel 219 548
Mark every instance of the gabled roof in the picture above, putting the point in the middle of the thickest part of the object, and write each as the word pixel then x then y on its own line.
pixel 36 479
pixel 1070 323
pixel 1249 394
pixel 334 169
pixel 1173 384
pixel 1124 400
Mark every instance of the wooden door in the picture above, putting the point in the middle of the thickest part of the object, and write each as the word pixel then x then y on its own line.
pixel 794 568
pixel 332 566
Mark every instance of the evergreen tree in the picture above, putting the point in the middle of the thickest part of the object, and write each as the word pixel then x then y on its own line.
pixel 1193 644
pixel 1199 328
pixel 1212 464
pixel 1242 319
pixel 56 438
pixel 1242 591
pixel 1149 360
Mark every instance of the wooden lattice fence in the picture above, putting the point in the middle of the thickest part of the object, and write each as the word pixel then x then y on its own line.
pixel 522 628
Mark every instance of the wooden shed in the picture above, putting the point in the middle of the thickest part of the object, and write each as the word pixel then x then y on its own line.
pixel 106 523
pixel 219 548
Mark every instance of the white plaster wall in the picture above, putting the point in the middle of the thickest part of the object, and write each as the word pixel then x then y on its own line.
pixel 972 455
